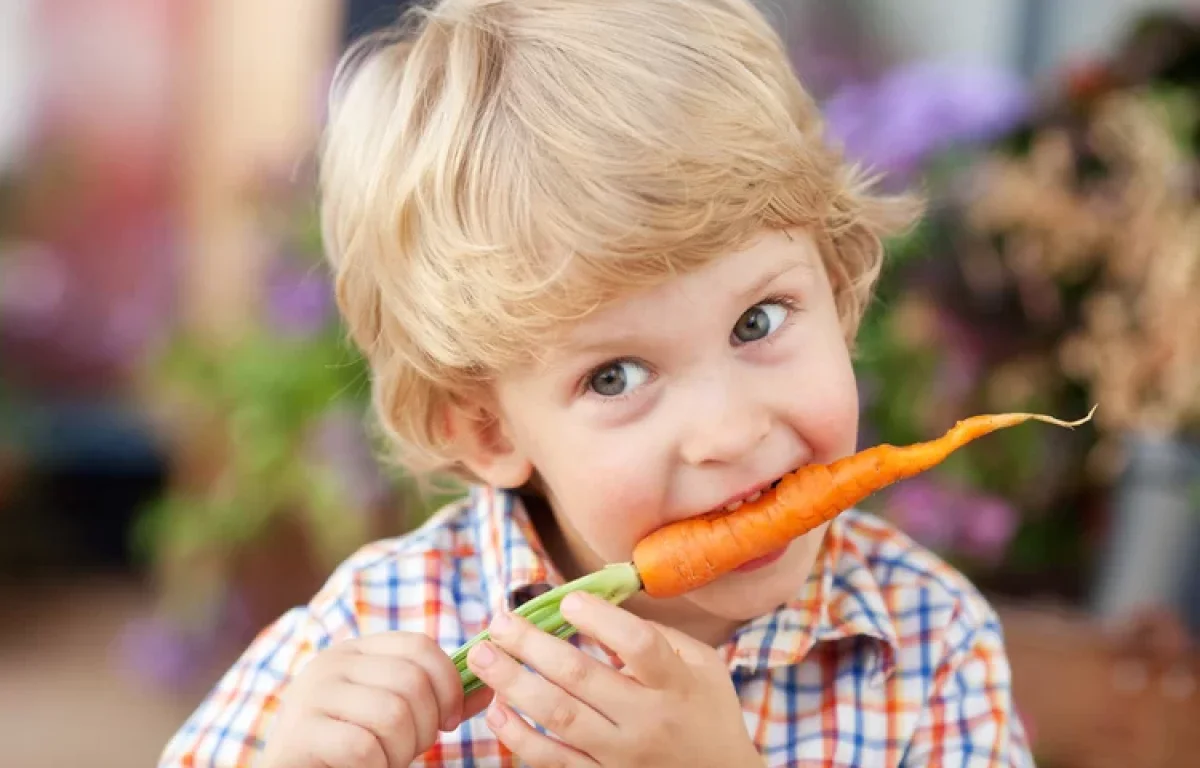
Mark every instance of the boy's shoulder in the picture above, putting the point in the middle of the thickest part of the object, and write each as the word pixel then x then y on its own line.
pixel 446 576
pixel 450 532
pixel 898 563
pixel 924 606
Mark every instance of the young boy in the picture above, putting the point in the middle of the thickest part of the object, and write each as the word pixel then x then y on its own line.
pixel 604 266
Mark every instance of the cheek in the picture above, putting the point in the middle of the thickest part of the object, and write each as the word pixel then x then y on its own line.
pixel 610 492
pixel 837 422
pixel 826 411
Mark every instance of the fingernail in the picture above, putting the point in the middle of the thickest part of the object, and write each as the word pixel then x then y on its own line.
pixel 501 623
pixel 496 716
pixel 483 655
pixel 451 722
pixel 572 602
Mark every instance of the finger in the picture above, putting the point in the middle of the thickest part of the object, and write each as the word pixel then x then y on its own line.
pixel 534 749
pixel 402 678
pixel 583 677
pixel 476 702
pixel 337 743
pixel 689 649
pixel 548 705
pixel 643 649
pixel 423 651
pixel 388 717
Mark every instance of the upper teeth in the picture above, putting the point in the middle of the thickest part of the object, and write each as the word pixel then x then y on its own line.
pixel 734 505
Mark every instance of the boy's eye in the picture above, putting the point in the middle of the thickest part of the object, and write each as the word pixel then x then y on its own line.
pixel 759 321
pixel 617 378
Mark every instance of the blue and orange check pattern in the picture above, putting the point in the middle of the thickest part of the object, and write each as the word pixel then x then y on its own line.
pixel 888 656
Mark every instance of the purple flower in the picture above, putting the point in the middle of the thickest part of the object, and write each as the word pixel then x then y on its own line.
pixel 899 122
pixel 174 654
pixel 924 510
pixel 986 527
pixel 34 287
pixel 962 362
pixel 949 519
pixel 164 654
pixel 299 301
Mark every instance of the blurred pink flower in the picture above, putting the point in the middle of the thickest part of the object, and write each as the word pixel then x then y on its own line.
pixel 34 285
pixel 173 656
pixel 952 520
pixel 986 527
pixel 300 300
pixel 924 510
pixel 162 653
pixel 962 360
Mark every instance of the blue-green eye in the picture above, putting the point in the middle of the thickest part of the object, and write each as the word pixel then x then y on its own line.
pixel 618 378
pixel 759 321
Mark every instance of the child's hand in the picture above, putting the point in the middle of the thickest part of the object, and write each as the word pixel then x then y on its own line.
pixel 373 702
pixel 672 705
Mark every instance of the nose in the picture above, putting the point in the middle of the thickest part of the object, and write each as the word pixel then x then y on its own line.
pixel 724 425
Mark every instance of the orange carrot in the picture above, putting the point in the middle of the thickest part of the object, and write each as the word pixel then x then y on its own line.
pixel 690 553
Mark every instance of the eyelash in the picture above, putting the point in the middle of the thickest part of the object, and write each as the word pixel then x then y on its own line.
pixel 787 302
pixel 585 383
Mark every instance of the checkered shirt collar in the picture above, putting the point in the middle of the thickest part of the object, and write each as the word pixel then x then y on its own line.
pixel 840 600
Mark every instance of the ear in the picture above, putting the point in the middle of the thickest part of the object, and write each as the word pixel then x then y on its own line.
pixel 484 446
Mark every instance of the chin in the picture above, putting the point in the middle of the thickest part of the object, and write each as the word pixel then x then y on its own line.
pixel 745 595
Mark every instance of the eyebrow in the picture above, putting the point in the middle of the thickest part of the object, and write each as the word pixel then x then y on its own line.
pixel 613 343
pixel 606 344
pixel 759 285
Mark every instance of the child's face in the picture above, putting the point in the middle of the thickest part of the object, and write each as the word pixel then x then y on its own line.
pixel 677 400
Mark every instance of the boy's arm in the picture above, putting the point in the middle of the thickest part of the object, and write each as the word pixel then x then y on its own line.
pixel 970 719
pixel 228 729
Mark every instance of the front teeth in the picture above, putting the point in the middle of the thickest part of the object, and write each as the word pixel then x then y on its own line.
pixel 752 497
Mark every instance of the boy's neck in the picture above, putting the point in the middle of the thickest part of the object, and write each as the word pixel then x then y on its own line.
pixel 573 560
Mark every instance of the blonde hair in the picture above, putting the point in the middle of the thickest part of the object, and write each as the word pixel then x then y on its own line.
pixel 493 168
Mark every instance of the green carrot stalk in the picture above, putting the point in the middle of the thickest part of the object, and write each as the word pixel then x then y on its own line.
pixel 613 583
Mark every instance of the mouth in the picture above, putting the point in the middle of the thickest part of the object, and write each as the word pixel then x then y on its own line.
pixel 747 497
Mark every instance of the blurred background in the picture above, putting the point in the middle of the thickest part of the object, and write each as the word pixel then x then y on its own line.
pixel 183 451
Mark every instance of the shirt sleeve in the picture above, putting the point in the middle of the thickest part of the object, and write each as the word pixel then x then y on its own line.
pixel 970 719
pixel 228 728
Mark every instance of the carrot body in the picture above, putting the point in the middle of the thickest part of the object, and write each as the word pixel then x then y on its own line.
pixel 690 553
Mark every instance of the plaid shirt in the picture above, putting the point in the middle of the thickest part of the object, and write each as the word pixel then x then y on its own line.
pixel 886 657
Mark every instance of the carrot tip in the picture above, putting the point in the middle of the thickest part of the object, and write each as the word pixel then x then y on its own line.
pixel 1068 424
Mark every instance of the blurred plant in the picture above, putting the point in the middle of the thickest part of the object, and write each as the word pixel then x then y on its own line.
pixel 1100 231
pixel 1058 269
pixel 921 368
pixel 261 403
pixel 273 461
pixel 919 365
pixel 1092 216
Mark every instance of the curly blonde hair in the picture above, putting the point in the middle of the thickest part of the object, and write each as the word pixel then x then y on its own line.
pixel 493 168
